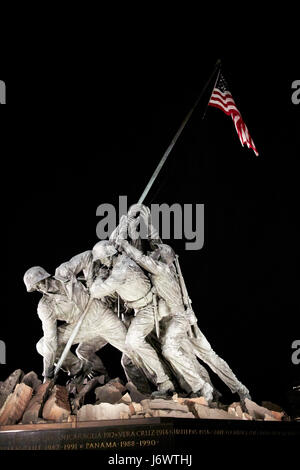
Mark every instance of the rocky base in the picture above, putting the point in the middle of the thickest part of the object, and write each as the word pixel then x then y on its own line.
pixel 25 400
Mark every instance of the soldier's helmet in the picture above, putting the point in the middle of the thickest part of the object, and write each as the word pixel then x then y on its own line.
pixel 103 249
pixel 33 276
pixel 167 254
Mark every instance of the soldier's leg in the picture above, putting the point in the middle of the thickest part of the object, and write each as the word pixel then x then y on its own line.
pixel 114 332
pixel 111 329
pixel 189 349
pixel 205 352
pixel 86 352
pixel 71 364
pixel 140 327
pixel 136 375
pixel 185 364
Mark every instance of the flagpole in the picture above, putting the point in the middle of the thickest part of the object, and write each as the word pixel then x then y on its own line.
pixel 203 115
pixel 174 140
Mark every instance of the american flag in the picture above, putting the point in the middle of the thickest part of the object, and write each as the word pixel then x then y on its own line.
pixel 222 98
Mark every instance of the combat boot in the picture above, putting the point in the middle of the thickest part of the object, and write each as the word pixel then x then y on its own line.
pixel 164 389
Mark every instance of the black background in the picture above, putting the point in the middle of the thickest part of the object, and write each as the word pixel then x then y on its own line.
pixel 83 126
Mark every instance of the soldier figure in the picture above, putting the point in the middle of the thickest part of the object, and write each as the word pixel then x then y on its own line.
pixel 163 277
pixel 111 277
pixel 128 280
pixel 177 347
pixel 66 300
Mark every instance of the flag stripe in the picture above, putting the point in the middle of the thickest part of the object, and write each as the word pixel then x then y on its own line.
pixel 222 98
pixel 225 104
pixel 226 109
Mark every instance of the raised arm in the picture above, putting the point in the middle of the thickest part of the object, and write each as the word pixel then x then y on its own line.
pixel 144 261
pixel 101 288
pixel 82 262
pixel 144 218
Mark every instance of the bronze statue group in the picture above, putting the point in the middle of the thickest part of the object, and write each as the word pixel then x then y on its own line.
pixel 128 292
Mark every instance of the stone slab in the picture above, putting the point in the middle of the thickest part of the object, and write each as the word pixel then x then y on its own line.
pixel 156 435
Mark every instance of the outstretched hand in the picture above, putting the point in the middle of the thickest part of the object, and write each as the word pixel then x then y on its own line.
pixel 138 210
pixel 119 243
pixel 134 210
pixel 145 212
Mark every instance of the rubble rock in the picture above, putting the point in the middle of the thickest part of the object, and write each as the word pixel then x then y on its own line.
pixel 34 408
pixel 236 410
pixel 126 399
pixel 102 411
pixel 279 415
pixel 232 411
pixel 276 410
pixel 269 418
pixel 72 419
pixel 117 382
pixel 182 400
pixel 31 379
pixel 85 387
pixel 137 408
pixel 124 415
pixel 136 396
pixel 8 386
pixel 160 407
pixel 256 411
pixel 57 407
pixel 108 393
pixel 204 412
pixel 15 404
pixel 199 400
pixel 85 390
pixel 170 414
pixel 234 405
pixel 161 404
pixel 271 406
